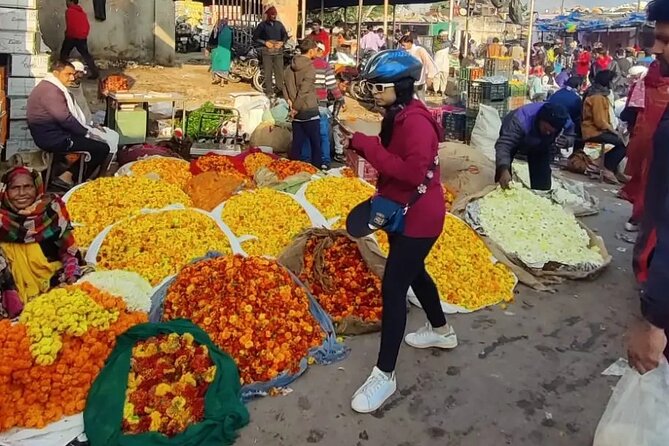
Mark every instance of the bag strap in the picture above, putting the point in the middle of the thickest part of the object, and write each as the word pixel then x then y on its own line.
pixel 422 187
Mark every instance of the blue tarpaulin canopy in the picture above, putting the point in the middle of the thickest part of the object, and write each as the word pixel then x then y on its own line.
pixel 577 21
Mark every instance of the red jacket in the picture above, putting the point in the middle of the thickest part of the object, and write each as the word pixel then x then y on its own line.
pixel 76 21
pixel 583 64
pixel 403 164
pixel 322 37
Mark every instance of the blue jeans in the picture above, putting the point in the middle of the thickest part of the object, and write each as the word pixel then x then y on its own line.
pixel 305 154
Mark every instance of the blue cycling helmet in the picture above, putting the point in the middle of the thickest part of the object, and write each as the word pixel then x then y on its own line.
pixel 390 66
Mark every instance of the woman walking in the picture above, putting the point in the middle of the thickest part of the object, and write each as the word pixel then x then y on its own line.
pixel 405 154
pixel 220 45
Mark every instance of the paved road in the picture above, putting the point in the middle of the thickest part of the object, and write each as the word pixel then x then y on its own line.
pixel 527 375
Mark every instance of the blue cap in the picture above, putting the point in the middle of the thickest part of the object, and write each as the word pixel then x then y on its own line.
pixel 389 66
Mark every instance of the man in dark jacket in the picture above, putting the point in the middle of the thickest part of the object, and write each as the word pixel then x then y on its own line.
pixel 77 28
pixel 271 36
pixel 56 129
pixel 531 130
pixel 648 339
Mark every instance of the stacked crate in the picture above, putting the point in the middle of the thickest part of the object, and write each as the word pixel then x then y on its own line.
pixel 499 66
pixel 23 67
pixel 490 91
pixel 518 95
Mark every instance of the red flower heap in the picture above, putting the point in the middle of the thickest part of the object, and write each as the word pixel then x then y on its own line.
pixel 169 377
pixel 284 168
pixel 251 308
pixel 341 280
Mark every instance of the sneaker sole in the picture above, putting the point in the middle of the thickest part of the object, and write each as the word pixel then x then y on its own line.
pixel 366 411
pixel 441 346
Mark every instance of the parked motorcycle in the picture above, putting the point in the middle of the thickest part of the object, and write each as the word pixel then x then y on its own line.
pixel 245 66
pixel 187 38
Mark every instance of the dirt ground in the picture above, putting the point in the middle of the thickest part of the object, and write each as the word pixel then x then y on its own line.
pixel 526 375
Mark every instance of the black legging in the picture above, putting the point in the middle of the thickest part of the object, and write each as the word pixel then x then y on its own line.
pixel 614 156
pixel 405 267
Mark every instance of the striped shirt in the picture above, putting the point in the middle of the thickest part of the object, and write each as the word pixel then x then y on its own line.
pixel 326 84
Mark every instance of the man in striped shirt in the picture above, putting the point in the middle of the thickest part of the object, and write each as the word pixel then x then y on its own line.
pixel 327 92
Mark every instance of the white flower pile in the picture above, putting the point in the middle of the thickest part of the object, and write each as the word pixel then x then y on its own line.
pixel 133 288
pixel 534 229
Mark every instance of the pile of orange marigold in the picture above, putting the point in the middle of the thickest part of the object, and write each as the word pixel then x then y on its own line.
pixel 217 163
pixel 341 281
pixel 284 168
pixel 34 395
pixel 251 308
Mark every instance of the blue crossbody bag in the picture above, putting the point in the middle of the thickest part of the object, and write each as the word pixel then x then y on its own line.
pixel 388 214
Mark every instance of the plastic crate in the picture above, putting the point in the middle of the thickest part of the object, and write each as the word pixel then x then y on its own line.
pixel 502 107
pixel 518 90
pixel 499 66
pixel 471 73
pixel 494 91
pixel 474 94
pixel 516 102
pixel 454 123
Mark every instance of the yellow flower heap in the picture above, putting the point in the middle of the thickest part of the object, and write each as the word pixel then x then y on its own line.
pixel 102 202
pixel 158 244
pixel 61 311
pixel 273 217
pixel 461 265
pixel 335 197
pixel 172 170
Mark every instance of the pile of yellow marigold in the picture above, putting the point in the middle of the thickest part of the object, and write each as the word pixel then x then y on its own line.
pixel 172 170
pixel 334 197
pixel 158 244
pixel 33 395
pixel 251 308
pixel 255 161
pixel 462 267
pixel 273 218
pixel 107 200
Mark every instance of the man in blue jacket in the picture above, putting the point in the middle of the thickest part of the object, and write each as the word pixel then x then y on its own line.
pixel 648 339
pixel 531 130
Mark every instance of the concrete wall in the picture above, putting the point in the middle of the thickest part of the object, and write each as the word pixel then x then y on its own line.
pixel 287 13
pixel 140 30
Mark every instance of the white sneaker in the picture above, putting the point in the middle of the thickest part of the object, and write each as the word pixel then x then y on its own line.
pixel 630 226
pixel 374 392
pixel 426 337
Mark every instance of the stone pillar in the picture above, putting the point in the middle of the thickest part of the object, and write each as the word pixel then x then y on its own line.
pixel 288 12
pixel 163 32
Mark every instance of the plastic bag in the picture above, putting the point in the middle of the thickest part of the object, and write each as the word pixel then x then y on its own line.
pixel 486 131
pixel 638 412
pixel 224 413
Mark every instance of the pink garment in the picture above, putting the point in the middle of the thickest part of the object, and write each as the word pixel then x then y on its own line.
pixel 371 41
pixel 403 165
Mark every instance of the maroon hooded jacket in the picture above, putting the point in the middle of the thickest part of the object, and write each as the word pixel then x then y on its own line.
pixel 403 164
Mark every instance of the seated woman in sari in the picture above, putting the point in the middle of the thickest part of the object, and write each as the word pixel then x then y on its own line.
pixel 36 240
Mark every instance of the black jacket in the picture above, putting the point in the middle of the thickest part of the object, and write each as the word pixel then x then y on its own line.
pixel 266 31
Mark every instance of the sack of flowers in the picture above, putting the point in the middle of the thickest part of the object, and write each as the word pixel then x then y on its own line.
pixel 255 310
pixel 343 274
pixel 165 384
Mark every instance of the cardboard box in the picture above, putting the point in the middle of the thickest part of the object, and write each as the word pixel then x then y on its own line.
pixel 25 65
pixel 22 4
pixel 14 42
pixel 19 131
pixel 21 86
pixel 19 20
pixel 361 167
pixel 15 146
pixel 18 108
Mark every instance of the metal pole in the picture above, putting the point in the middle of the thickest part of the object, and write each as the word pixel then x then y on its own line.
pixel 385 18
pixel 450 20
pixel 304 17
pixel 357 48
pixel 466 46
pixel 392 41
pixel 529 43
pixel 322 10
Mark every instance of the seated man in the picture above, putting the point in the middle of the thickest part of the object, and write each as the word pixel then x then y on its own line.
pixel 55 123
pixel 531 130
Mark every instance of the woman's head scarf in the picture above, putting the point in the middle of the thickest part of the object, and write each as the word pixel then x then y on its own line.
pixel 46 219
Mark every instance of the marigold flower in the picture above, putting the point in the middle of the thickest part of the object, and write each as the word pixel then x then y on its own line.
pixel 284 168
pixel 156 245
pixel 224 286
pixel 172 170
pixel 255 161
pixel 107 200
